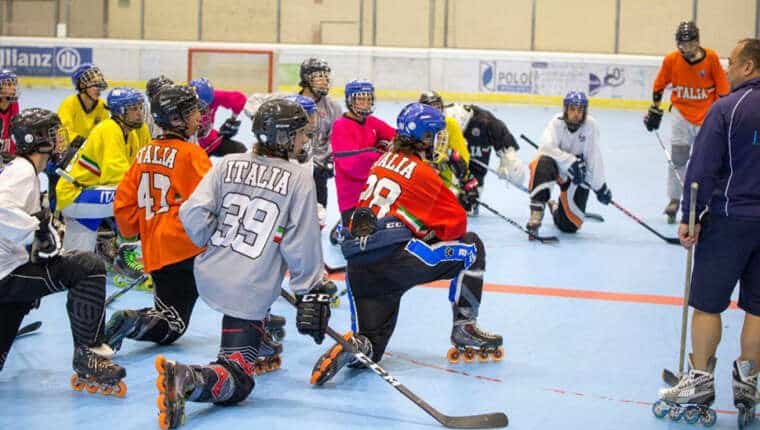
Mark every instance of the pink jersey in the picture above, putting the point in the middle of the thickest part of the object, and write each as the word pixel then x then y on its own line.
pixel 232 100
pixel 5 124
pixel 351 172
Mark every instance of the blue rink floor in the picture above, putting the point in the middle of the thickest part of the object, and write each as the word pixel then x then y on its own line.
pixel 588 324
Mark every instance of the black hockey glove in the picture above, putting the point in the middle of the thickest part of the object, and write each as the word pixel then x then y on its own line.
pixel 384 145
pixel 577 171
pixel 313 313
pixel 653 118
pixel 324 168
pixel 230 128
pixel 47 242
pixel 604 195
pixel 468 198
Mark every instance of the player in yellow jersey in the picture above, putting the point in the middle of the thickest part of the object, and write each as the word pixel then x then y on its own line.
pixel 86 198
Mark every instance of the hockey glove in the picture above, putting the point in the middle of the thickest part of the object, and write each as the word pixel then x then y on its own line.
pixel 577 171
pixel 604 195
pixel 47 242
pixel 230 128
pixel 468 198
pixel 324 168
pixel 511 167
pixel 458 166
pixel 653 118
pixel 313 313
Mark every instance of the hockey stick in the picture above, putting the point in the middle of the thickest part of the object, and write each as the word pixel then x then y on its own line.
pixel 542 239
pixel 482 421
pixel 589 215
pixel 28 329
pixel 669 158
pixel 670 240
pixel 667 375
pixel 343 154
pixel 136 282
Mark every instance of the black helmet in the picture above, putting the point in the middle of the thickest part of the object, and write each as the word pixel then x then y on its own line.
pixel 432 98
pixel 172 106
pixel 687 31
pixel 37 130
pixel 154 85
pixel 275 125
pixel 309 67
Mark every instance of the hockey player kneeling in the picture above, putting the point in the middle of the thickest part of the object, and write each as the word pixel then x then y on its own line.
pixel 409 229
pixel 256 212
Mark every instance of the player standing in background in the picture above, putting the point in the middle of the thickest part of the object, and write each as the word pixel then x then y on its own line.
pixel 8 109
pixel 29 273
pixel 569 155
pixel 315 84
pixel 164 174
pixel 96 170
pixel 152 87
pixel 356 130
pixel 409 229
pixel 698 80
pixel 255 212
pixel 483 131
pixel 218 143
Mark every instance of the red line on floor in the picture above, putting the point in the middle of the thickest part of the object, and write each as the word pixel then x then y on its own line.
pixel 565 292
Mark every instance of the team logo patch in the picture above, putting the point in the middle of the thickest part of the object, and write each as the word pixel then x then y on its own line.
pixel 582 137
pixel 449 252
pixel 701 73
pixel 475 131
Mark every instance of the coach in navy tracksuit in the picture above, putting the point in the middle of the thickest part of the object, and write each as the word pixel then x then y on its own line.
pixel 725 162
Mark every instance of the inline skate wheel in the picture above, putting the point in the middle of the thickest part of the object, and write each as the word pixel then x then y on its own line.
pixel 660 409
pixel 453 355
pixel 710 418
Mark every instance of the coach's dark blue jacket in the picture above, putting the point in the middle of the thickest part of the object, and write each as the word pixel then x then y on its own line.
pixel 725 160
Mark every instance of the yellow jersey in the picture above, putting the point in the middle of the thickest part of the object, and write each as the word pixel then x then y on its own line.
pixel 456 143
pixel 76 121
pixel 103 159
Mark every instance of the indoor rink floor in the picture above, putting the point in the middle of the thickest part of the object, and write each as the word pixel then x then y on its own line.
pixel 588 324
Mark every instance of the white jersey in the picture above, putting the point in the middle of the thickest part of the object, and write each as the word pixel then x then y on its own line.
pixel 565 148
pixel 257 216
pixel 19 198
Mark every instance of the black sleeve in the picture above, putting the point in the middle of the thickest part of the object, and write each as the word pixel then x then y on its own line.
pixel 499 136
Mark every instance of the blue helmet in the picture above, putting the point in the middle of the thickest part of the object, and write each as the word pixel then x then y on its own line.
pixel 8 77
pixel 574 98
pixel 306 103
pixel 356 88
pixel 120 99
pixel 88 75
pixel 204 89
pixel 417 120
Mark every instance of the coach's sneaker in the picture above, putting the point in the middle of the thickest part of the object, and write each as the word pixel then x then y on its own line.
pixel 333 360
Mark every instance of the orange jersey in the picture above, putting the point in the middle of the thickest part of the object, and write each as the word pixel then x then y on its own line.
pixel 406 187
pixel 162 177
pixel 695 86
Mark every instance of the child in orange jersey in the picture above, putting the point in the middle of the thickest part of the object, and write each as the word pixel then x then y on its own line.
pixel 163 175
pixel 697 80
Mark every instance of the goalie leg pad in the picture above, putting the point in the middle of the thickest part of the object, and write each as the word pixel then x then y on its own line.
pixel 572 206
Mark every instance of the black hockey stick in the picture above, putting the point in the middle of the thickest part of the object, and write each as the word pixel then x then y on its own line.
pixel 28 329
pixel 482 421
pixel 589 215
pixel 542 239
pixel 121 292
pixel 670 240
pixel 354 152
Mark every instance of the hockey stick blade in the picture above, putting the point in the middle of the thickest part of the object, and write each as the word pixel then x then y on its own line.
pixel 28 329
pixel 594 217
pixel 124 290
pixel 482 421
pixel 542 239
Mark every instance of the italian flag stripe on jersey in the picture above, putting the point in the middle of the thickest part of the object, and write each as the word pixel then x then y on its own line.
pixel 278 234
pixel 90 165
pixel 418 226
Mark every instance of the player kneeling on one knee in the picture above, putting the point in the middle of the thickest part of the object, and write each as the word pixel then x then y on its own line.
pixel 569 155
pixel 32 264
pixel 255 212
pixel 409 229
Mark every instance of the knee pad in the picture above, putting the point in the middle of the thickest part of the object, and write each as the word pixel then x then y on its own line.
pixel 572 208
pixel 175 322
pixel 680 155
pixel 472 238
